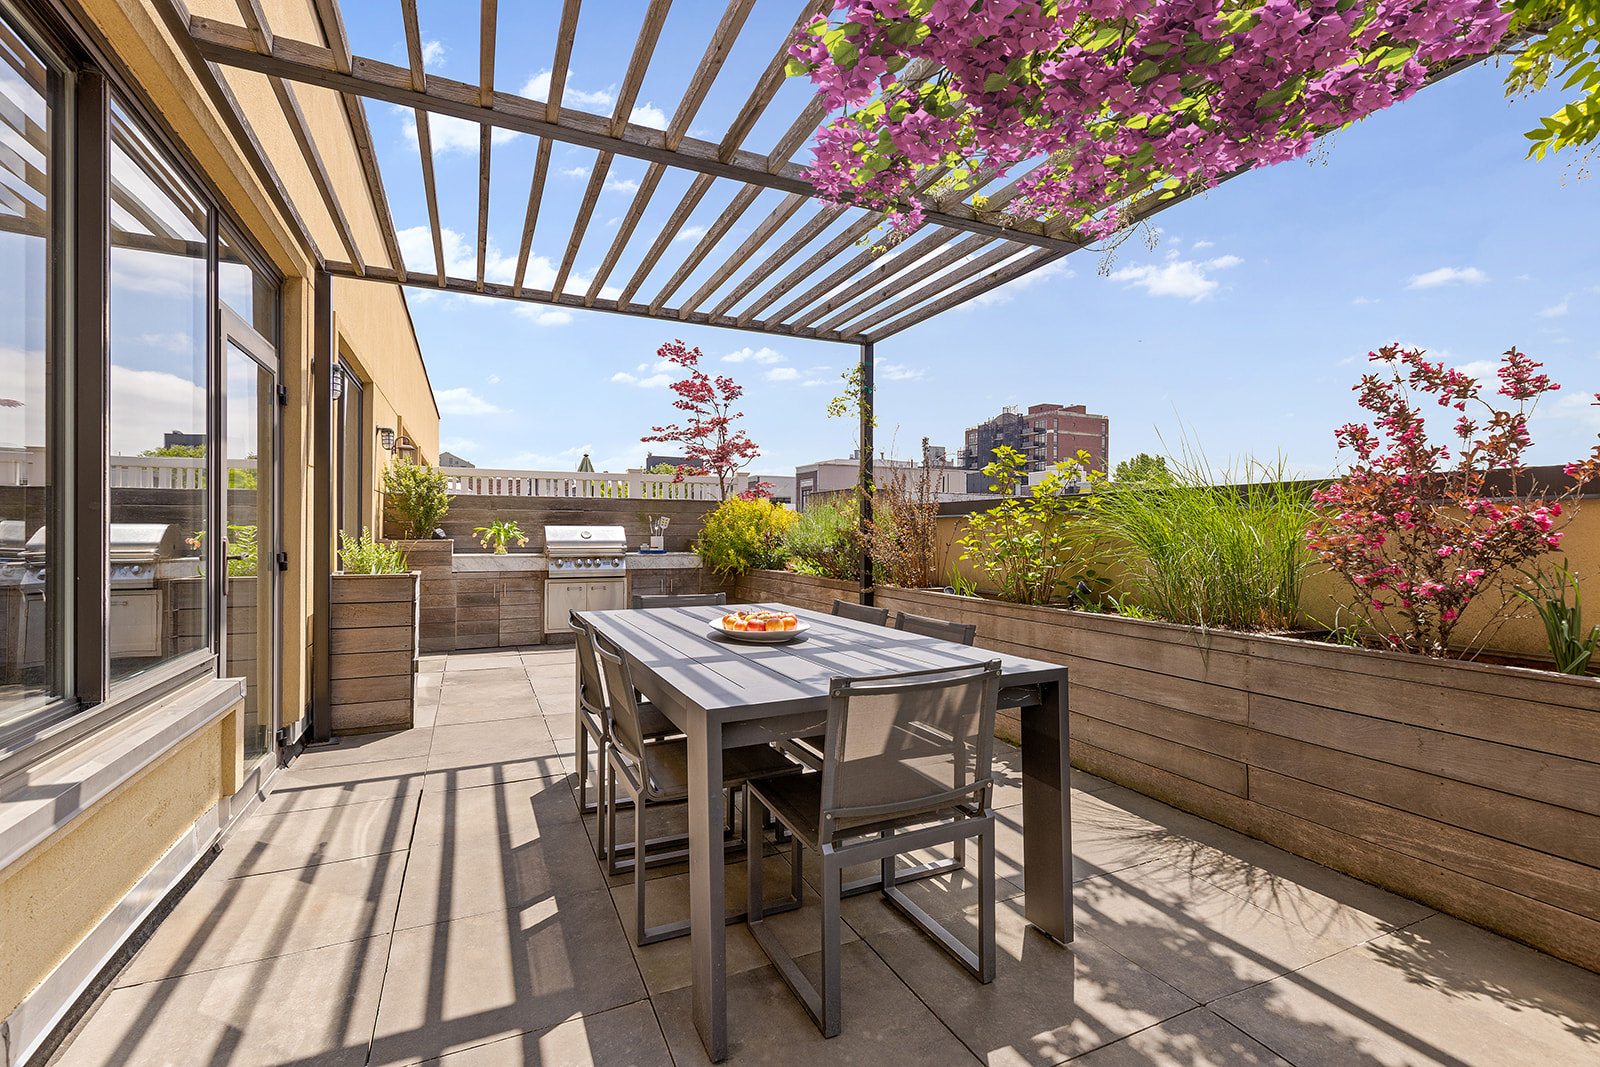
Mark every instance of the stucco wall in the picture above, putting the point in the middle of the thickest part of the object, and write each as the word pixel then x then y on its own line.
pixel 55 894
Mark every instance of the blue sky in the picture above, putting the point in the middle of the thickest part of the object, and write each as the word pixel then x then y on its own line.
pixel 1244 327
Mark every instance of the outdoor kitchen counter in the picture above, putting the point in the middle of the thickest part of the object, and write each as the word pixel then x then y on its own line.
pixel 489 563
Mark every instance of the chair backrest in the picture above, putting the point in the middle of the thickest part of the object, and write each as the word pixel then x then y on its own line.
pixel 861 612
pixel 624 711
pixel 679 600
pixel 905 744
pixel 591 693
pixel 962 633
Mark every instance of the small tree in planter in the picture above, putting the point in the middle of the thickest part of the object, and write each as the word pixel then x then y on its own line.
pixel 420 494
pixel 710 442
pixel 1412 528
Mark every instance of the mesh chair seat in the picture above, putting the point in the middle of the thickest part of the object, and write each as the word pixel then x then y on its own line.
pixel 797 800
pixel 960 633
pixel 669 768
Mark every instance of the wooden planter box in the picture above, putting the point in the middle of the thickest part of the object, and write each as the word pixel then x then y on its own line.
pixel 1474 789
pixel 373 651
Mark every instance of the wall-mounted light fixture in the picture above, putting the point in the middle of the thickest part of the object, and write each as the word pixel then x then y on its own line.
pixel 336 383
pixel 405 448
pixel 386 438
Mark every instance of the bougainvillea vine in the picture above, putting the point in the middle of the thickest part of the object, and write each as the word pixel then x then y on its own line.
pixel 1126 99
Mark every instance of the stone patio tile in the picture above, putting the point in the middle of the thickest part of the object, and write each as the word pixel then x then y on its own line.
pixel 520 811
pixel 622 1037
pixel 1048 1002
pixel 667 965
pixel 366 748
pixel 487 659
pixel 314 1008
pixel 487 753
pixel 951 899
pixel 1440 992
pixel 474 980
pixel 473 878
pixel 432 661
pixel 504 675
pixel 884 1022
pixel 225 921
pixel 1202 941
pixel 294 839
pixel 1196 1038
pixel 297 789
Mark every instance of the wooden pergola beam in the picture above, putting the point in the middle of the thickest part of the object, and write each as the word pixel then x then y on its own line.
pixel 767 85
pixel 991 258
pixel 1030 262
pixel 825 217
pixel 597 182
pixel 722 40
pixel 566 33
pixel 780 215
pixel 541 170
pixel 730 215
pixel 669 232
pixel 298 61
pixel 487 20
pixel 630 221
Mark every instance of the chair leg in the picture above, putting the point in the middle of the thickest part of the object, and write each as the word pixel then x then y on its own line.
pixel 986 880
pixel 754 867
pixel 610 835
pixel 583 767
pixel 639 870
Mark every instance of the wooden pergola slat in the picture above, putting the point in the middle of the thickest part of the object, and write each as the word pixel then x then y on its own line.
pixel 1029 263
pixel 669 232
pixel 730 215
pixel 641 200
pixel 486 40
pixel 824 218
pixel 981 262
pixel 780 215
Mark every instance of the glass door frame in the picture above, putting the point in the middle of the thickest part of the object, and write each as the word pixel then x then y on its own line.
pixel 233 329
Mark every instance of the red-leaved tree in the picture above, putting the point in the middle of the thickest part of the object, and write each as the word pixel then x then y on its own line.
pixel 1417 528
pixel 711 443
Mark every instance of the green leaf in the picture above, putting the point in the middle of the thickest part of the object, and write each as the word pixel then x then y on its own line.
pixel 1147 70
pixel 995 82
pixel 796 67
pixel 1106 37
pixel 905 34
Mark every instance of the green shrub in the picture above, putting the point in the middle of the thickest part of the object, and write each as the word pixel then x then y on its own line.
pixel 1031 546
pixel 744 535
pixel 418 493
pixel 1212 555
pixel 825 540
pixel 365 554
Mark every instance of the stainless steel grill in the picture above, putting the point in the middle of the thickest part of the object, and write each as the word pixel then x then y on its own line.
pixel 588 572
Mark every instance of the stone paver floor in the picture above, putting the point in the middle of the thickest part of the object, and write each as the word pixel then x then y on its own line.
pixel 432 896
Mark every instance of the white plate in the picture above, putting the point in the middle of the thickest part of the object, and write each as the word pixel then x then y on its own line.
pixel 760 637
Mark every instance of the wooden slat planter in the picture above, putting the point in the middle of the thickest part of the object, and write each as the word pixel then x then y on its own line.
pixel 373 651
pixel 1472 788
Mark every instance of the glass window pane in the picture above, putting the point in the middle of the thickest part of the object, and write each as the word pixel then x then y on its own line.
pixel 159 336
pixel 249 292
pixel 29 650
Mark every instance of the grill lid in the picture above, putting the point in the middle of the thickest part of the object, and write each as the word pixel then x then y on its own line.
pixel 584 541
pixel 130 542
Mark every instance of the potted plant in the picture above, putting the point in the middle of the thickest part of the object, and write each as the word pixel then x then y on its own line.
pixel 373 630
pixel 498 534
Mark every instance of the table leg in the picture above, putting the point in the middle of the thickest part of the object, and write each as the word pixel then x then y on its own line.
pixel 706 900
pixel 1047 813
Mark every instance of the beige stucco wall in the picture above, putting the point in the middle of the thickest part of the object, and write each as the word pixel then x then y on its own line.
pixel 53 896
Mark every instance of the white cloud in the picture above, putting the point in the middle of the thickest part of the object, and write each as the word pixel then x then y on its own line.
pixel 649 115
pixel 538 88
pixel 464 401
pixel 649 375
pixel 575 172
pixel 620 185
pixel 493 379
pixel 180 343
pixel 457 445
pixel 897 372
pixel 782 374
pixel 1554 311
pixel 1198 245
pixel 544 316
pixel 1446 276
pixel 1481 369
pixel 1184 278
pixel 1361 301
pixel 689 233
pixel 1004 293
pixel 148 404
pixel 433 53
pixel 451 134
pixel 754 355
pixel 461 261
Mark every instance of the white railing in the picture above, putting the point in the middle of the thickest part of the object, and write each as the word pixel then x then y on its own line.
pixel 478 481
pixel 160 472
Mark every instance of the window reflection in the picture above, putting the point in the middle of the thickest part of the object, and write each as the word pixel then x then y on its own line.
pixel 158 412
pixel 29 651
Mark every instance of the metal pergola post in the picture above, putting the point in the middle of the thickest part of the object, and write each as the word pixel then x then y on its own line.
pixel 866 471
pixel 322 521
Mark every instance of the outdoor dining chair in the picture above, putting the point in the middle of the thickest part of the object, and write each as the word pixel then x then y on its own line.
pixel 655 774
pixel 962 633
pixel 861 612
pixel 594 726
pixel 679 600
pixel 906 766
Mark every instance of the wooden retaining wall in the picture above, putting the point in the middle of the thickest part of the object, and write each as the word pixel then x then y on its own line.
pixel 1474 789
pixel 373 651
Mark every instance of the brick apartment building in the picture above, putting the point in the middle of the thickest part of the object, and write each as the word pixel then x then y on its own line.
pixel 1047 434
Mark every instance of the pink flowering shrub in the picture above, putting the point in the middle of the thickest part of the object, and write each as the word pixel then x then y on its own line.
pixel 1125 97
pixel 1412 527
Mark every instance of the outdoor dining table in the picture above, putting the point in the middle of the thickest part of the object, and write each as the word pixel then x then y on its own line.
pixel 722 693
